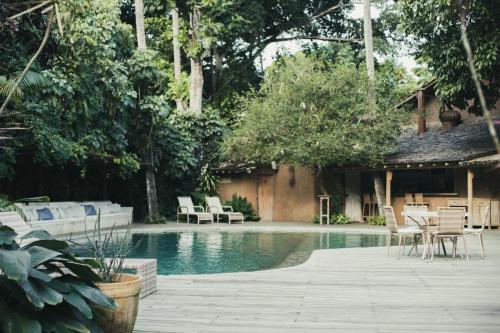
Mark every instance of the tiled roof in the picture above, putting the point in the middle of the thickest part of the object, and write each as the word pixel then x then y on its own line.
pixel 462 143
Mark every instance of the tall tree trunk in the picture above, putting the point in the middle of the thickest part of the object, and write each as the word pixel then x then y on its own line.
pixel 370 65
pixel 153 209
pixel 196 85
pixel 379 186
pixel 177 55
pixel 372 101
pixel 139 24
pixel 148 156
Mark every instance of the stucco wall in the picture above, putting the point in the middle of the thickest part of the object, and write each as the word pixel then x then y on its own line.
pixel 294 194
pixel 244 185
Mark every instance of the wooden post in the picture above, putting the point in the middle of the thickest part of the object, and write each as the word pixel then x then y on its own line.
pixel 421 112
pixel 470 195
pixel 388 180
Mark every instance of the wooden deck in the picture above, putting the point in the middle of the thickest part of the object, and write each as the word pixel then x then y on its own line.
pixel 341 290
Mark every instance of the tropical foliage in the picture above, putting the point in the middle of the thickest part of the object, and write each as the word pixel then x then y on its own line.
pixel 434 28
pixel 310 111
pixel 45 288
pixel 240 204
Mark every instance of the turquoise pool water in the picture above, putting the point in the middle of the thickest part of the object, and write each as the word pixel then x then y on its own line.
pixel 220 252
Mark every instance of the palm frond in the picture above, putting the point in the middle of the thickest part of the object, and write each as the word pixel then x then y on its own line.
pixel 30 80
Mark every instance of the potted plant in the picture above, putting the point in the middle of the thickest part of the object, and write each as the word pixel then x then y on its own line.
pixel 44 288
pixel 110 250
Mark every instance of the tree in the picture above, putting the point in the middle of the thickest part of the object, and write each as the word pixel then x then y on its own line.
pixel 312 112
pixel 434 29
pixel 372 99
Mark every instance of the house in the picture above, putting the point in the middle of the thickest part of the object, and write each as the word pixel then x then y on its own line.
pixel 450 159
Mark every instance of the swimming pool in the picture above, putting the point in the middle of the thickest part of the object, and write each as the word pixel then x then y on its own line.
pixel 221 252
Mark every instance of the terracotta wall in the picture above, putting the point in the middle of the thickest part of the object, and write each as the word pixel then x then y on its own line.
pixel 244 185
pixel 292 196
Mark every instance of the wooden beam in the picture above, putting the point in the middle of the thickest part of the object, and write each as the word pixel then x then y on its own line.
pixel 421 111
pixel 388 180
pixel 470 195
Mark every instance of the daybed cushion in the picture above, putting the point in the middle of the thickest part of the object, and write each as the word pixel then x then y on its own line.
pixel 44 214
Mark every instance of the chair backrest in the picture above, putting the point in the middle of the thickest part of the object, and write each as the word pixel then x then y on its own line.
pixel 214 205
pixel 367 198
pixel 409 199
pixel 419 198
pixel 411 222
pixel 485 218
pixel 186 205
pixel 451 220
pixel 390 219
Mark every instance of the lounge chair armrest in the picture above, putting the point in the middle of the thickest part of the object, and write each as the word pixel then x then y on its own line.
pixel 213 209
pixel 229 207
pixel 179 210
pixel 199 207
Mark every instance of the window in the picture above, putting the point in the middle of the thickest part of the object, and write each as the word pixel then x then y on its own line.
pixel 423 181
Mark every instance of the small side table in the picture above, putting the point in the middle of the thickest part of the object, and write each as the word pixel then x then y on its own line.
pixel 324 202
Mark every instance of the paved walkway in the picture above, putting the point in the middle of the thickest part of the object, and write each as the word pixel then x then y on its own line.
pixel 340 290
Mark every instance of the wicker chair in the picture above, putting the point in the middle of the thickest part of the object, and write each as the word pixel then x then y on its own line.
pixel 419 199
pixel 394 230
pixel 215 207
pixel 409 199
pixel 413 223
pixel 367 205
pixel 186 208
pixel 450 225
pixel 479 232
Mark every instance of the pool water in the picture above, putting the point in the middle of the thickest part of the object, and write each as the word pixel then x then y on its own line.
pixel 220 252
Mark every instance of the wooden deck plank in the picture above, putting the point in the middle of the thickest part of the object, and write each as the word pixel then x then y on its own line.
pixel 341 290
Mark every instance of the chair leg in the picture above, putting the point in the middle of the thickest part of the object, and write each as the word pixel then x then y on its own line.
pixel 399 248
pixel 465 248
pixel 404 244
pixel 388 243
pixel 481 245
pixel 432 245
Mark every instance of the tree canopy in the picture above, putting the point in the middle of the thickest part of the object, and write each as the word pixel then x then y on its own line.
pixel 310 111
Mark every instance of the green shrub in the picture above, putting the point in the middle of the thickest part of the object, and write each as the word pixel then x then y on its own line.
pixel 44 288
pixel 376 220
pixel 334 219
pixel 241 204
pixel 340 219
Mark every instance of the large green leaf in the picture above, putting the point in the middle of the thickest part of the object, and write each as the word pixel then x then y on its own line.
pixel 40 293
pixel 60 286
pixel 83 270
pixel 38 234
pixel 17 323
pixel 7 235
pixel 93 294
pixel 15 264
pixel 51 244
pixel 79 303
pixel 40 275
pixel 40 254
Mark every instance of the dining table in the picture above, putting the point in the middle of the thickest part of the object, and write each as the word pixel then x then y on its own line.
pixel 423 218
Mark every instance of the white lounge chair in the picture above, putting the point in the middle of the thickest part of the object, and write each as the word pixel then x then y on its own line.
pixel 215 207
pixel 479 232
pixel 187 209
pixel 393 229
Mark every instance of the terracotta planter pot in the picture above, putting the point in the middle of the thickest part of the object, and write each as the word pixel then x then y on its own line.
pixel 125 292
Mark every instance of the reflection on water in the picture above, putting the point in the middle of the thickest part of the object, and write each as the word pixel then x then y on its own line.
pixel 219 252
